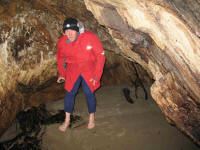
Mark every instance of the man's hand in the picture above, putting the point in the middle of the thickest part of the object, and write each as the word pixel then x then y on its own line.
pixel 60 79
pixel 94 81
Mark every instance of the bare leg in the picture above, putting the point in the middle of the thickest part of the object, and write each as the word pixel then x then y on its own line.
pixel 91 123
pixel 66 123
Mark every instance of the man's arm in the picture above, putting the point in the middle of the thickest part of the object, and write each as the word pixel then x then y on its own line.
pixel 100 57
pixel 60 61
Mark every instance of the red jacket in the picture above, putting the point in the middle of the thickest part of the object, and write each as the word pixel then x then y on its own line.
pixel 83 56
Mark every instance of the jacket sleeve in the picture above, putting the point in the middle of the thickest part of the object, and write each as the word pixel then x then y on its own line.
pixel 100 57
pixel 60 61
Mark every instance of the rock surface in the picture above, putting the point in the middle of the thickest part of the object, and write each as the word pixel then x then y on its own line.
pixel 163 37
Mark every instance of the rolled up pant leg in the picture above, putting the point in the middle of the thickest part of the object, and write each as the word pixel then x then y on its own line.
pixel 90 97
pixel 70 96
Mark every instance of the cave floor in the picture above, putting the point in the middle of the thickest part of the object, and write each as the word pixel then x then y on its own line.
pixel 119 125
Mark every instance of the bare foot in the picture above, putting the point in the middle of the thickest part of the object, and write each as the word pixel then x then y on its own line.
pixel 64 126
pixel 91 125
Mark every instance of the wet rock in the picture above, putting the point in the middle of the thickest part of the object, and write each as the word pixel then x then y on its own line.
pixel 11 133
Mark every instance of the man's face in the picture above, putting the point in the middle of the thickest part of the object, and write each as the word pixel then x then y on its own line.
pixel 71 34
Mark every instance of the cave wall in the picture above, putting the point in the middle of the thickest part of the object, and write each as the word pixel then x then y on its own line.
pixel 163 37
pixel 29 30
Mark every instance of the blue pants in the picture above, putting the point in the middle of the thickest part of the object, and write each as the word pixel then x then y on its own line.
pixel 70 96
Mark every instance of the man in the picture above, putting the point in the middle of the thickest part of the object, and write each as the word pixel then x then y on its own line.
pixel 80 59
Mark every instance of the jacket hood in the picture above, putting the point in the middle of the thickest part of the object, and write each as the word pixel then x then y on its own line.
pixel 81 27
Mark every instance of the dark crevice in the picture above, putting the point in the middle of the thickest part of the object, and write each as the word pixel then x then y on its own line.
pixel 138 82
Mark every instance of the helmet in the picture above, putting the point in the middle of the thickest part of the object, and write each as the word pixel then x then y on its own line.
pixel 70 23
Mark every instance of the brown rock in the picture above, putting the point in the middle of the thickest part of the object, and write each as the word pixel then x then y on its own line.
pixel 1 9
pixel 163 37
pixel 12 9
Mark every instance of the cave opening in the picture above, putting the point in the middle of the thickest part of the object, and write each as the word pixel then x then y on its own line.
pixel 127 116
